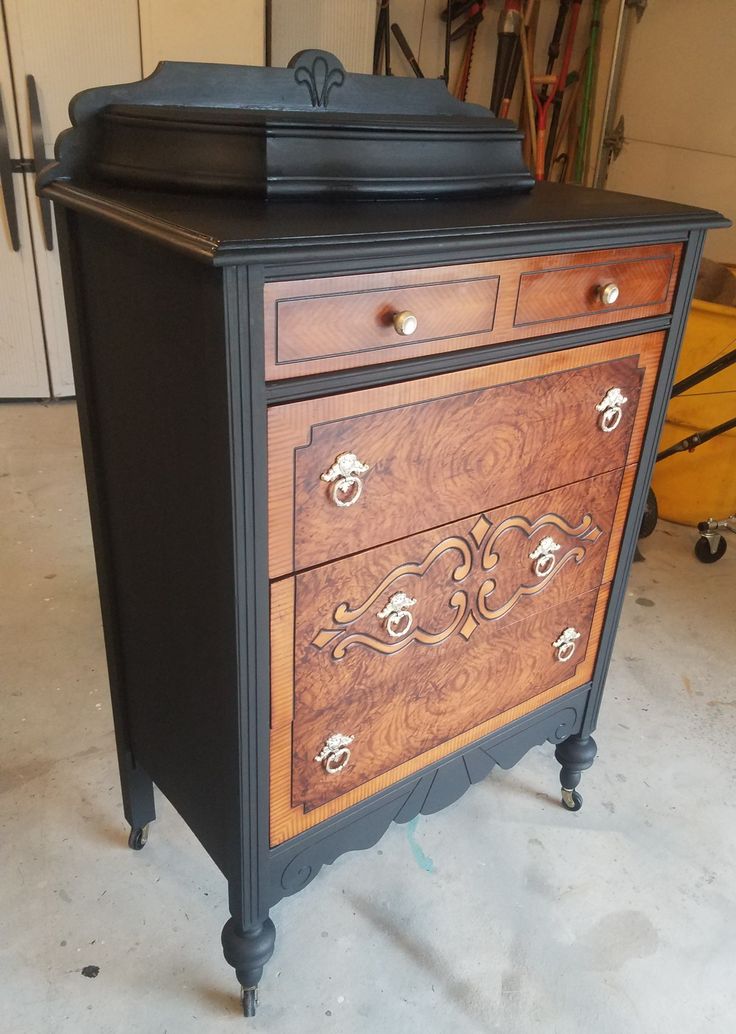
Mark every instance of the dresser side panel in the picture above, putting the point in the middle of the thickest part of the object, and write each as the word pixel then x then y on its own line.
pixel 153 343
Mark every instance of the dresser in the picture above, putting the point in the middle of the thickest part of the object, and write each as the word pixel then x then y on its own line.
pixel 368 424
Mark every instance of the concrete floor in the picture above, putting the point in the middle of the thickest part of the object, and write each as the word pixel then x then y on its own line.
pixel 502 913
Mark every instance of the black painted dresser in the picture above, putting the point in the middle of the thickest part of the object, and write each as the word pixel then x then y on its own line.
pixel 368 423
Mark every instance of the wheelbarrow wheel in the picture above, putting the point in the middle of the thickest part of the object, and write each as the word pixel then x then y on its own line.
pixel 651 515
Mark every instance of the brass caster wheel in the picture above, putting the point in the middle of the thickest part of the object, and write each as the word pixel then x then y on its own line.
pixel 249 1000
pixel 571 800
pixel 138 838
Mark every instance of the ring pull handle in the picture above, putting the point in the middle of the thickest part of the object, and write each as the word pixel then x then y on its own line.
pixel 565 644
pixel 544 556
pixel 335 753
pixel 396 614
pixel 609 293
pixel 405 323
pixel 610 409
pixel 344 476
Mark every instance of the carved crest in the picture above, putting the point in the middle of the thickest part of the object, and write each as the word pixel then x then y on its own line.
pixel 319 77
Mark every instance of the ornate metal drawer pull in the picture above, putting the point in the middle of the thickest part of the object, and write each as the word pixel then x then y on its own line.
pixel 565 644
pixel 398 618
pixel 608 293
pixel 610 409
pixel 544 555
pixel 405 323
pixel 335 754
pixel 343 474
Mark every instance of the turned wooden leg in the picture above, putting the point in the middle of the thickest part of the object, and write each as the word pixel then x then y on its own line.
pixel 248 949
pixel 575 754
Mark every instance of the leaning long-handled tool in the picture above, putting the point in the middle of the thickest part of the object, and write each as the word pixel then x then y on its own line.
pixel 468 28
pixel 549 86
pixel 581 151
pixel 382 42
pixel 553 53
pixel 406 50
pixel 508 57
pixel 526 121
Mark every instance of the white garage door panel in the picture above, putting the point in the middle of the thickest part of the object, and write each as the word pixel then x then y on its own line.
pixel 67 47
pixel 23 371
pixel 22 360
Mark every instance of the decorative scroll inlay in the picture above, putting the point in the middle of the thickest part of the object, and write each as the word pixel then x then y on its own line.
pixel 319 78
pixel 467 605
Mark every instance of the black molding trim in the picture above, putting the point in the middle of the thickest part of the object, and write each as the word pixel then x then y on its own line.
pixel 467 243
pixel 319 385
pixel 688 274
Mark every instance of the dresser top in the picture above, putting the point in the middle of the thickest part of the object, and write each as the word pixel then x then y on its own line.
pixel 233 163
pixel 226 230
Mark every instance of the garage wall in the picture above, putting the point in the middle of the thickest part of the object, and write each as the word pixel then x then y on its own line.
pixel 347 28
pixel 678 100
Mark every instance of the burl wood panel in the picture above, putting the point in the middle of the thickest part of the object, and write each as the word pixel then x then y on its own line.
pixel 288 819
pixel 557 294
pixel 338 322
pixel 399 705
pixel 450 445
pixel 459 575
pixel 355 313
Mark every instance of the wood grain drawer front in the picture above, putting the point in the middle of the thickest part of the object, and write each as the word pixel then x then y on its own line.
pixel 448 446
pixel 334 317
pixel 398 706
pixel 563 292
pixel 332 323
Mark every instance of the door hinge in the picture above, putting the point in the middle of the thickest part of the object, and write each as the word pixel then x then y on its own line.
pixel 613 142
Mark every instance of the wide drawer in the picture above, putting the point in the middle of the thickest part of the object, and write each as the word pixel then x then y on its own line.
pixel 448 446
pixel 325 324
pixel 394 707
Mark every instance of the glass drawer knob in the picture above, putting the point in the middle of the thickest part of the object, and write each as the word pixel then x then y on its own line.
pixel 405 323
pixel 609 293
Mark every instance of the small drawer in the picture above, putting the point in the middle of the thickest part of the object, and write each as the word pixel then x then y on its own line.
pixel 625 282
pixel 351 471
pixel 389 708
pixel 375 316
